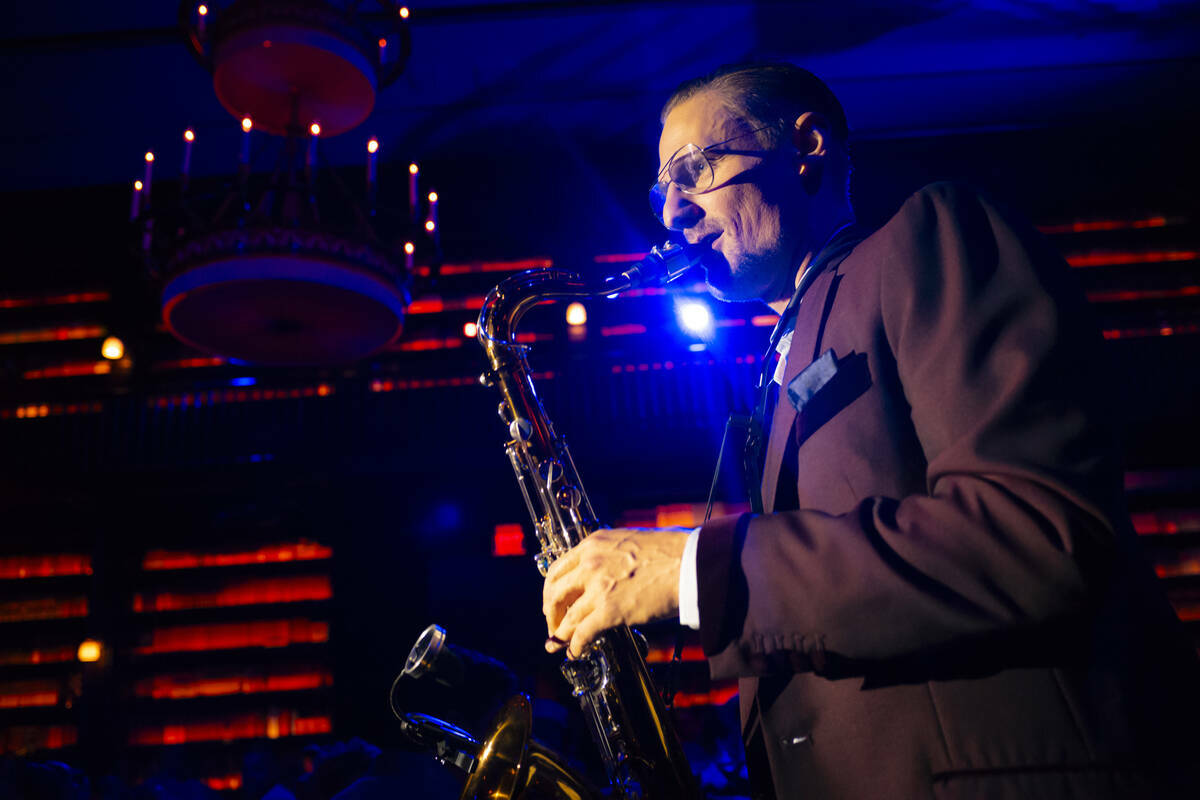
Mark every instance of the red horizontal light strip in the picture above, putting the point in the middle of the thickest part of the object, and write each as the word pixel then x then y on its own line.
pixel 764 320
pixel 254 591
pixel 1151 523
pixel 45 566
pixel 42 655
pixel 662 655
pixel 54 299
pixel 414 345
pixel 191 363
pixel 1178 566
pixel 43 608
pixel 1114 259
pixel 1088 226
pixel 660 365
pixel 631 329
pixel 302 550
pixel 235 635
pixel 713 697
pixel 1140 333
pixel 36 411
pixel 52 334
pixel 618 258
pixel 29 694
pixel 272 725
pixel 186 687
pixel 436 305
pixel 22 739
pixel 489 266
pixel 219 396
pixel 224 783
pixel 1129 295
pixel 1188 610
pixel 72 370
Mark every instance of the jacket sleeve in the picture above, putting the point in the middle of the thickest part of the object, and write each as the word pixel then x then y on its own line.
pixel 991 346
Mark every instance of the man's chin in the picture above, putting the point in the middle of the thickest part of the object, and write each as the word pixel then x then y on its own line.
pixel 726 287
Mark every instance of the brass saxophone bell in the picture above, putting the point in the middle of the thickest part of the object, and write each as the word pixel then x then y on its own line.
pixel 512 766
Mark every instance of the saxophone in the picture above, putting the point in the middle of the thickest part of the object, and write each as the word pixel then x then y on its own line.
pixel 638 744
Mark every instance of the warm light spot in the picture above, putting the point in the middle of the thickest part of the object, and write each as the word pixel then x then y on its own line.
pixel 314 129
pixel 149 157
pixel 189 135
pixel 412 169
pixel 470 330
pixel 403 12
pixel 113 349
pixel 409 248
pixel 382 43
pixel 137 186
pixel 266 42
pixel 372 145
pixel 576 314
pixel 433 197
pixel 89 651
pixel 202 10
pixel 429 225
pixel 247 124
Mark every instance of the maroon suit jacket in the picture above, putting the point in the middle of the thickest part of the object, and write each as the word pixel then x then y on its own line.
pixel 950 604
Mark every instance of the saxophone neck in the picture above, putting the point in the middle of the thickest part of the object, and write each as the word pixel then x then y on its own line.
pixel 507 303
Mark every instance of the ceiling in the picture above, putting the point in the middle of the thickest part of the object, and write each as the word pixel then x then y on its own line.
pixel 91 86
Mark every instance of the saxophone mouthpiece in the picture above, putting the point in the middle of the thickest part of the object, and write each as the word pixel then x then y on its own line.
pixel 664 264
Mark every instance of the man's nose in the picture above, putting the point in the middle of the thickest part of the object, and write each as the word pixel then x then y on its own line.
pixel 679 212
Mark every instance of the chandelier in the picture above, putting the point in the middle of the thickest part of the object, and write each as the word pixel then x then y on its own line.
pixel 288 265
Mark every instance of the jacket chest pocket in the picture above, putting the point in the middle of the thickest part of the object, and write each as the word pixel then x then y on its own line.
pixel 823 389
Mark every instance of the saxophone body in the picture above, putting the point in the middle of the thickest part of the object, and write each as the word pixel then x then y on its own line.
pixel 628 719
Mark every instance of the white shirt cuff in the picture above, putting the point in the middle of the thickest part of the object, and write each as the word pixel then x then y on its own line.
pixel 689 595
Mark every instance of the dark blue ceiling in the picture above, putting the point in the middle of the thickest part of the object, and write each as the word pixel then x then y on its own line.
pixel 89 87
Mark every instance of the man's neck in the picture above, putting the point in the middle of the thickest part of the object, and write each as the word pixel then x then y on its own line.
pixel 780 303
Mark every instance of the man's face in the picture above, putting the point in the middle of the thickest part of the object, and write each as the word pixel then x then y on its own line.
pixel 746 227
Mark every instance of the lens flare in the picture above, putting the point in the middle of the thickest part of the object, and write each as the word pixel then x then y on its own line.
pixel 695 318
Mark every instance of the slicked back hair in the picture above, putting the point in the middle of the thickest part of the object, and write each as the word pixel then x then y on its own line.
pixel 763 93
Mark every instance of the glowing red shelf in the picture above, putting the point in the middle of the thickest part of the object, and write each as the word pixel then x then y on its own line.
pixel 252 591
pixel 185 687
pixel 302 550
pixel 234 635
pixel 45 566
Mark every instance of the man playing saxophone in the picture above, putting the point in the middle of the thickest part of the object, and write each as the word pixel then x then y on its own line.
pixel 941 596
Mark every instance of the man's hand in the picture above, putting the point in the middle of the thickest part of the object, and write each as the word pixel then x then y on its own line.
pixel 616 576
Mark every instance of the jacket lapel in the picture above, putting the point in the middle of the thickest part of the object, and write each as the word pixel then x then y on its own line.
pixel 799 356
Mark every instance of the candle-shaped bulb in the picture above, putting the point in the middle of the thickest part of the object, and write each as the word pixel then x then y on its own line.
pixel 430 225
pixel 135 203
pixel 433 197
pixel 409 248
pixel 247 124
pixel 149 157
pixel 372 145
pixel 403 12
pixel 314 129
pixel 202 10
pixel 189 135
pixel 412 169
pixel 382 44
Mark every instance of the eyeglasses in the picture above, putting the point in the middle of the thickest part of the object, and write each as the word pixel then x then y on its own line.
pixel 690 170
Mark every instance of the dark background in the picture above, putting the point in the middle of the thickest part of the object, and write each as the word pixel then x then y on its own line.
pixel 536 123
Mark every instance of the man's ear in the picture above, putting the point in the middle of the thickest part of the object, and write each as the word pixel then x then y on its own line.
pixel 810 137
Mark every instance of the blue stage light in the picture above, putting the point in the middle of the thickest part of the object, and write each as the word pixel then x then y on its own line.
pixel 243 382
pixel 695 318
